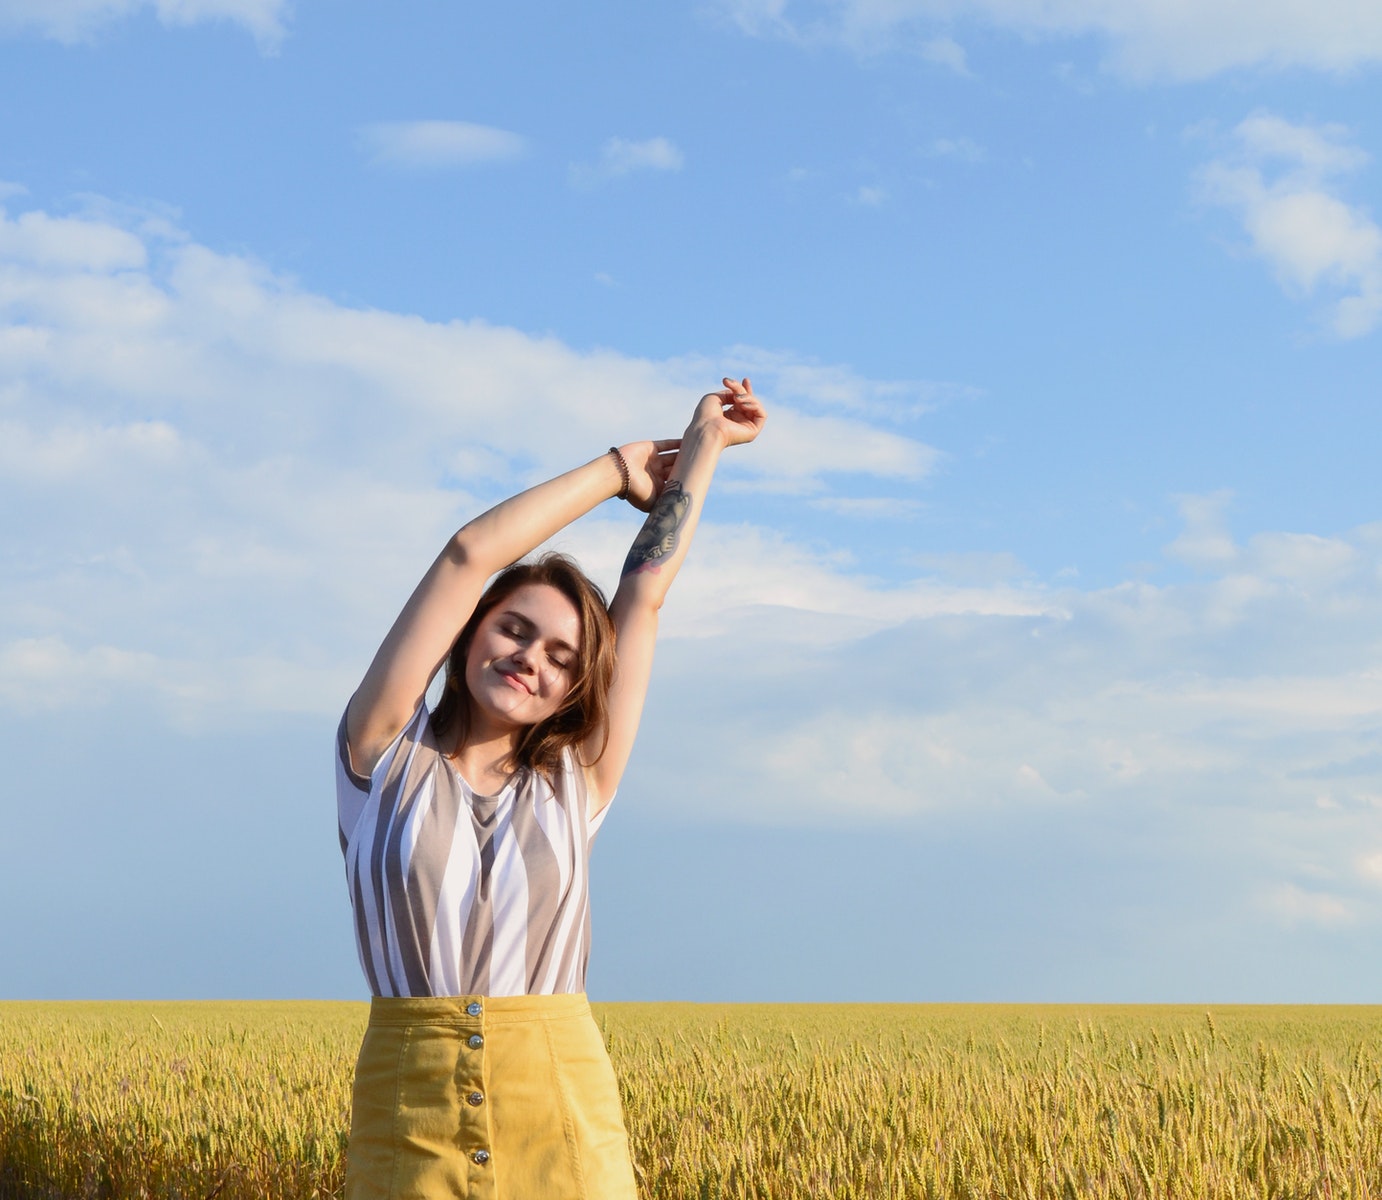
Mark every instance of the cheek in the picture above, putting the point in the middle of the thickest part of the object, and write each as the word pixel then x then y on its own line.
pixel 474 663
pixel 558 692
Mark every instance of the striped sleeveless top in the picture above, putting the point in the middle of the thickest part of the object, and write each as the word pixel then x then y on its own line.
pixel 458 894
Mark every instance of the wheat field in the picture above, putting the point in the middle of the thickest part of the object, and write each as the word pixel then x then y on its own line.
pixel 235 1101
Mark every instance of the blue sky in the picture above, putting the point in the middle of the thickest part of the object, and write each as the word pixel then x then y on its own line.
pixel 1033 654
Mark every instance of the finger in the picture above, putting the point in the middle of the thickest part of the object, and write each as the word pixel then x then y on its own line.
pixel 665 444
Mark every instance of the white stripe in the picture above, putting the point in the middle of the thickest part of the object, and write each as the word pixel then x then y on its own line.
pixel 555 823
pixel 508 968
pixel 454 902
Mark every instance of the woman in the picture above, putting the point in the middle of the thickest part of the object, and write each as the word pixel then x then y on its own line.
pixel 467 832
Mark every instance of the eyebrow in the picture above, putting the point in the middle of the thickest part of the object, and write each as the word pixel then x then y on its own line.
pixel 528 623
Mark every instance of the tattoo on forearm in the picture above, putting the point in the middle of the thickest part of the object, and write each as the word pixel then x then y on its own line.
pixel 658 537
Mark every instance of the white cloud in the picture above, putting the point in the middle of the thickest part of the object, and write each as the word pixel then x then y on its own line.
pixel 619 157
pixel 870 197
pixel 871 508
pixel 1146 38
pixel 432 144
pixel 1370 867
pixel 1205 540
pixel 78 20
pixel 836 388
pixel 221 471
pixel 1280 180
pixel 37 239
pixel 853 25
pixel 1317 151
pixel 1296 906
pixel 801 453
pixel 48 674
pixel 1300 556
pixel 944 52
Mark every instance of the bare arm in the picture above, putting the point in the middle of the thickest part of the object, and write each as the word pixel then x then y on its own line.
pixel 728 417
pixel 442 602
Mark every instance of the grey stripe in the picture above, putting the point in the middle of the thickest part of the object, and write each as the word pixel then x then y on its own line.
pixel 343 752
pixel 544 882
pixel 411 941
pixel 362 933
pixel 387 819
pixel 427 869
pixel 477 946
pixel 359 783
pixel 575 948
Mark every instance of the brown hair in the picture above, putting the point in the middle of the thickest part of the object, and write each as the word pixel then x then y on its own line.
pixel 584 713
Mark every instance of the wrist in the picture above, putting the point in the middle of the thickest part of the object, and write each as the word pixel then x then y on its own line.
pixel 621 467
pixel 702 432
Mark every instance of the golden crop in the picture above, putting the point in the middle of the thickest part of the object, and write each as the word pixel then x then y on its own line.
pixel 242 1101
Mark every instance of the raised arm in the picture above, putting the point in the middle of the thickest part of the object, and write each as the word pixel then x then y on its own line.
pixel 441 604
pixel 729 417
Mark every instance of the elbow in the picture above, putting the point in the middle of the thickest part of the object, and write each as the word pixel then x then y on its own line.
pixel 461 550
pixel 642 590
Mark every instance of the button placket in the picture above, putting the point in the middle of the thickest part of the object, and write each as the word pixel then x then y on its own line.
pixel 475 1139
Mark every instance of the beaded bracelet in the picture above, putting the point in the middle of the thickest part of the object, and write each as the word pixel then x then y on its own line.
pixel 623 472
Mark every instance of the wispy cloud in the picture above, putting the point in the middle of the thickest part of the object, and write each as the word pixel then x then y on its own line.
pixel 422 145
pixel 1281 180
pixel 620 157
pixel 858 26
pixel 1147 39
pixel 1295 905
pixel 961 149
pixel 835 388
pixel 79 20
pixel 869 508
pixel 1205 541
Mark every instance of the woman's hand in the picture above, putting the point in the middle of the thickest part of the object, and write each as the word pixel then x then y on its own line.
pixel 649 465
pixel 733 412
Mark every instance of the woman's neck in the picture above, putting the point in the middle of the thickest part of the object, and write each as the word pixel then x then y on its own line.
pixel 485 760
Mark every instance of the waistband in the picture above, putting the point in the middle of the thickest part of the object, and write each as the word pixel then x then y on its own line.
pixel 490 1010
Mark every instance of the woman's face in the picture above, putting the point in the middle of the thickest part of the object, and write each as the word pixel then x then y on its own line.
pixel 523 658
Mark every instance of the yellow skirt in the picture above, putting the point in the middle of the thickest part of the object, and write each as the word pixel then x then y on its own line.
pixel 500 1098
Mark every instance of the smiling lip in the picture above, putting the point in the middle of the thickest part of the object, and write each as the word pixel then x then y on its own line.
pixel 514 681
